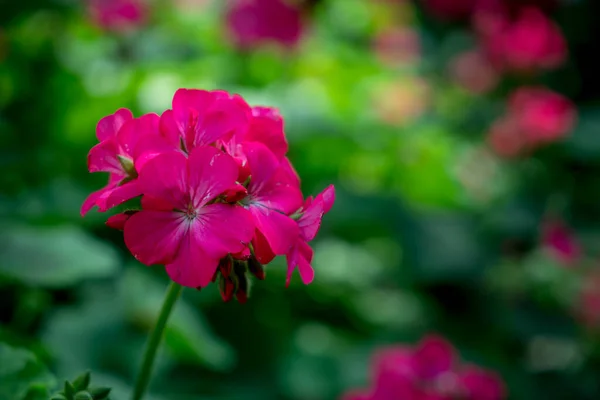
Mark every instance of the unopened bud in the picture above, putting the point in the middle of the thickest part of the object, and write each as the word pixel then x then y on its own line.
pixel 256 268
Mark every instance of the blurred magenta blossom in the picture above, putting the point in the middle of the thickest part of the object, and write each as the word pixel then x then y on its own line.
pixel 431 370
pixel 535 116
pixel 118 15
pixel 252 23
pixel 560 240
pixel 526 43
pixel 219 197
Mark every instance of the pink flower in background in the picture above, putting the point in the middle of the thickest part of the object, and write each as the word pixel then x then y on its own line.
pixel 561 241
pixel 180 225
pixel 252 23
pixel 118 15
pixel 542 115
pixel 474 72
pixel 535 116
pixel 528 43
pixel 429 371
pixel 397 46
pixel 219 197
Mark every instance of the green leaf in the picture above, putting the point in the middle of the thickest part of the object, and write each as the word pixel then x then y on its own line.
pixel 54 257
pixel 82 381
pixel 22 376
pixel 187 336
pixel 83 396
pixel 99 393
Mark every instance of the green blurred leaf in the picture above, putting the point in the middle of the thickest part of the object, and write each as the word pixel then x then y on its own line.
pixel 54 257
pixel 22 376
pixel 187 336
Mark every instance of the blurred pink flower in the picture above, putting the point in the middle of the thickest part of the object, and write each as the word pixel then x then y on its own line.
pixel 480 384
pixel 543 115
pixel 252 23
pixel 535 116
pixel 402 102
pixel 430 371
pixel 474 72
pixel 397 46
pixel 527 43
pixel 118 15
pixel 561 241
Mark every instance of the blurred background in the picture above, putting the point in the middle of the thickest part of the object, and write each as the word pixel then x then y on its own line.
pixel 463 138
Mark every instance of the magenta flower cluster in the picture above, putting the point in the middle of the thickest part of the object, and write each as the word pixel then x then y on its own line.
pixel 429 371
pixel 219 197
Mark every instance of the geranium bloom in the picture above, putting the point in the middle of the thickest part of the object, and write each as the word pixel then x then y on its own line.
pixel 561 241
pixel 181 225
pixel 117 15
pixel 252 23
pixel 430 371
pixel 219 197
pixel 528 43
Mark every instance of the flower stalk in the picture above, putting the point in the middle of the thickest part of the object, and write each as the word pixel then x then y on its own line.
pixel 143 378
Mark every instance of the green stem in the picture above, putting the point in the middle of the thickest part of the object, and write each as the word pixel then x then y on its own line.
pixel 156 336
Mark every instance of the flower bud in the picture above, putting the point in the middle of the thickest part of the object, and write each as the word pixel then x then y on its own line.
pixel 256 268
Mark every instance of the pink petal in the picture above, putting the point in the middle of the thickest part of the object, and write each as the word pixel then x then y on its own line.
pixel 186 99
pixel 328 196
pixel 192 267
pixel 211 172
pixel 310 222
pixel 135 129
pixel 92 200
pixel 153 203
pixel 165 177
pixel 262 163
pixel 169 129
pixel 109 126
pixel 280 197
pixel 262 249
pixel 103 157
pixel 300 256
pixel 279 230
pixel 117 221
pixel 266 126
pixel 223 229
pixel 287 173
pixel 120 194
pixel 153 237
pixel 224 118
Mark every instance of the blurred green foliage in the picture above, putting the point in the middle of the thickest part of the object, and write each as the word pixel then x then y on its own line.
pixel 430 231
